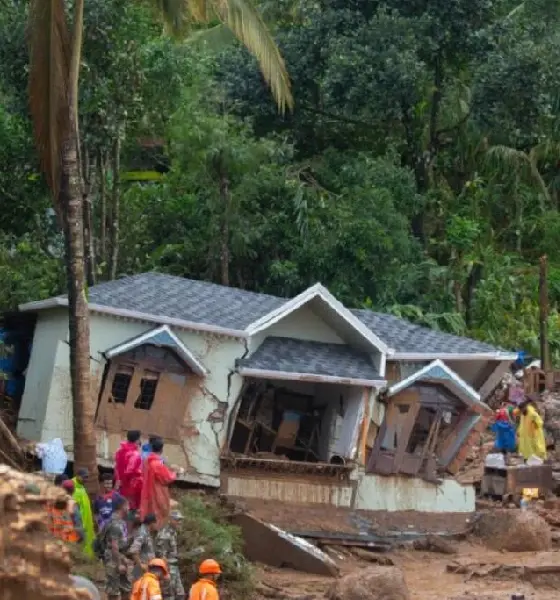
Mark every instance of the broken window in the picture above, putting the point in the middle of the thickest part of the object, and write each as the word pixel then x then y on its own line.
pixel 148 387
pixel 121 384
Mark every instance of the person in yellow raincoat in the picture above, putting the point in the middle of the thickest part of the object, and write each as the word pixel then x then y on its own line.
pixel 530 431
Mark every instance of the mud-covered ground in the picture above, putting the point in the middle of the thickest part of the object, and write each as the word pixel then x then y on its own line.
pixel 428 578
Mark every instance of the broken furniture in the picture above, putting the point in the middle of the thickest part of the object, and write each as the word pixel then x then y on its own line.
pixel 277 421
pixel 508 483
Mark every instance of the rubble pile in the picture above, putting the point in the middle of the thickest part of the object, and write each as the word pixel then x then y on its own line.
pixel 472 469
pixel 549 407
pixel 372 583
pixel 33 566
pixel 513 531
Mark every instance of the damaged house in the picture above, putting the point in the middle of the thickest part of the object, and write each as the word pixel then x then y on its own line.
pixel 297 400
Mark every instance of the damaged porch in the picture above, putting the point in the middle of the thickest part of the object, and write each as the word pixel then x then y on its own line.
pixel 300 423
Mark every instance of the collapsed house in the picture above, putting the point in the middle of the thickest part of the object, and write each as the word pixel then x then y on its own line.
pixel 267 397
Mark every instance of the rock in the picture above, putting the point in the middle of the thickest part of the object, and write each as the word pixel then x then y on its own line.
pixel 372 583
pixel 434 543
pixel 513 531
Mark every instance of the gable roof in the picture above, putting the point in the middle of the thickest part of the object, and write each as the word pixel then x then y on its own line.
pixel 160 336
pixel 199 305
pixel 438 372
pixel 288 358
pixel 329 306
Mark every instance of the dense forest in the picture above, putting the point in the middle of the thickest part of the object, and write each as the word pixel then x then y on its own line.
pixel 418 172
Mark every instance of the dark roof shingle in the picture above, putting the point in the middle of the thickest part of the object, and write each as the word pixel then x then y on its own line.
pixel 157 294
pixel 403 336
pixel 289 355
pixel 186 299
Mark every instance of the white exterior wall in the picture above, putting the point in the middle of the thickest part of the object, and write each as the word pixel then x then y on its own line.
pixel 49 388
pixel 378 492
pixel 51 328
pixel 302 324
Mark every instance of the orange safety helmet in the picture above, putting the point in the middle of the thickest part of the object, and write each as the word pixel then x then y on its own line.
pixel 160 563
pixel 209 567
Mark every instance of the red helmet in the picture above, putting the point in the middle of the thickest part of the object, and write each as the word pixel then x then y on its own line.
pixel 209 567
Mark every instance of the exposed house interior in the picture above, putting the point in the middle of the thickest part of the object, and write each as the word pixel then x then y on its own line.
pixel 143 377
pixel 304 422
pixel 426 420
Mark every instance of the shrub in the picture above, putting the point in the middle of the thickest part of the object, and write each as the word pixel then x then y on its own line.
pixel 206 533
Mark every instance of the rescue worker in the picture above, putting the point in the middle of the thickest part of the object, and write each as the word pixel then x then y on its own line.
pixel 148 587
pixel 115 538
pixel 206 588
pixel 142 548
pixel 62 518
pixel 166 548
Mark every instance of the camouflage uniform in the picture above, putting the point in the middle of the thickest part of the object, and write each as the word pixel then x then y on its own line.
pixel 143 545
pixel 117 583
pixel 166 547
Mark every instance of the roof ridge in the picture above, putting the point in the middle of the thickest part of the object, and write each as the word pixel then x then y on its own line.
pixel 158 274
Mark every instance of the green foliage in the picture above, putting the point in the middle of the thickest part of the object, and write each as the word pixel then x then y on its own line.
pixel 205 533
pixel 419 173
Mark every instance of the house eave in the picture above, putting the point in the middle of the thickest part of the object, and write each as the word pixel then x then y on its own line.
pixel 310 377
pixel 137 316
pixel 186 354
pixel 420 356
pixel 318 291
pixel 460 387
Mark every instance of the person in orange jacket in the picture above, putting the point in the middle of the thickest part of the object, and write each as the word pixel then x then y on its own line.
pixel 206 588
pixel 148 587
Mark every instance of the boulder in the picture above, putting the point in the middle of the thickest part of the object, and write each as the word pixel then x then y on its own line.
pixel 513 531
pixel 372 583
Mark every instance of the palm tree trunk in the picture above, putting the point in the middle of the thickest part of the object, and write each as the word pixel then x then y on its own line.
pixel 225 195
pixel 115 211
pixel 85 454
pixel 88 218
pixel 101 174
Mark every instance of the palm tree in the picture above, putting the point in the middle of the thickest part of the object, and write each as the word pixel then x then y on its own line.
pixel 55 56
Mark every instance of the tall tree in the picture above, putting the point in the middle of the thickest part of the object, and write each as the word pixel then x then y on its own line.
pixel 55 59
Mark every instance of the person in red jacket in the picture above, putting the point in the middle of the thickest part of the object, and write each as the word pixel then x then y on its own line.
pixel 156 482
pixel 128 469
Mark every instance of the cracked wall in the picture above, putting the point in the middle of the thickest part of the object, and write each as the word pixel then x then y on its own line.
pixel 47 399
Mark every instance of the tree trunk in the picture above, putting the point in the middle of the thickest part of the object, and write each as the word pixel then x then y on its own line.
pixel 225 196
pixel 71 201
pixel 543 313
pixel 88 219
pixel 101 174
pixel 115 209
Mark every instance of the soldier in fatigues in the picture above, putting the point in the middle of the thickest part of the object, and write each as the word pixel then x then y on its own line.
pixel 166 548
pixel 142 548
pixel 118 585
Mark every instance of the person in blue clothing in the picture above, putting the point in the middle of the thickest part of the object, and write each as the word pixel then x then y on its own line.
pixel 504 429
pixel 104 503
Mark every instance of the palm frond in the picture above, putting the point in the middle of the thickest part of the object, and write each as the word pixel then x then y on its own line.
pixel 214 38
pixel 49 45
pixel 247 25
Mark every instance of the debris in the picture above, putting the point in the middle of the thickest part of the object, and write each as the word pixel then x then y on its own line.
pixel 433 543
pixel 538 573
pixel 373 583
pixel 34 565
pixel 373 557
pixel 271 545
pixel 513 531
